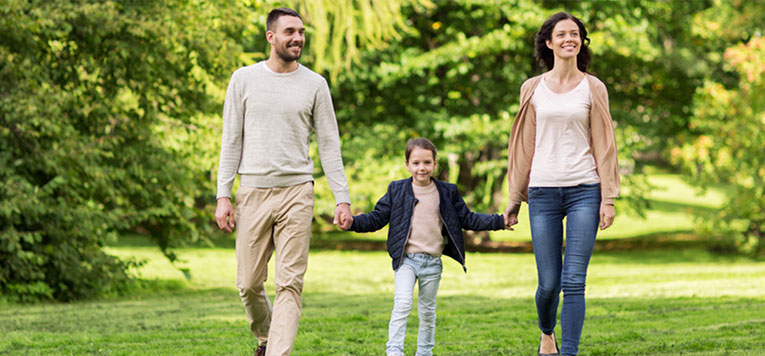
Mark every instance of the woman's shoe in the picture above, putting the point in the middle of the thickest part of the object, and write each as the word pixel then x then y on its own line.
pixel 539 351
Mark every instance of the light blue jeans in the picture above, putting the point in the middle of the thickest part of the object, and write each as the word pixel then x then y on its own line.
pixel 427 270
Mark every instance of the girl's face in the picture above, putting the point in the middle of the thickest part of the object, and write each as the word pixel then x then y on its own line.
pixel 421 164
pixel 565 41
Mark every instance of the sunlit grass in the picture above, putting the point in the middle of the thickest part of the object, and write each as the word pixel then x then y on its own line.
pixel 615 274
pixel 639 303
pixel 654 302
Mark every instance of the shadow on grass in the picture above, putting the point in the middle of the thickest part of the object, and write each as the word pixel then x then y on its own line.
pixel 675 240
pixel 133 239
pixel 666 257
pixel 675 207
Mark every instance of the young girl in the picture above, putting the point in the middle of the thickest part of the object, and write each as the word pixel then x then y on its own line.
pixel 426 219
pixel 563 161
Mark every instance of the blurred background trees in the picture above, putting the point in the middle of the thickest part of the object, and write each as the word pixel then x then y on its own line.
pixel 110 111
pixel 726 139
pixel 105 109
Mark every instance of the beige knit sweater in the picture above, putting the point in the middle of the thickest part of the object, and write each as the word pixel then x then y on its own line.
pixel 268 119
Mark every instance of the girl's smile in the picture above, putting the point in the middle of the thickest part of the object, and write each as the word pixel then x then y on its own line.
pixel 421 164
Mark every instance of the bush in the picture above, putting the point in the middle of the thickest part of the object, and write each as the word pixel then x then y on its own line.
pixel 728 149
pixel 103 109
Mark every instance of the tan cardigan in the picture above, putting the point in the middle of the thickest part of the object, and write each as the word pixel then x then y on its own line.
pixel 520 150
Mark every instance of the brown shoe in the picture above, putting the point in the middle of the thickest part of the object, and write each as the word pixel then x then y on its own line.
pixel 260 350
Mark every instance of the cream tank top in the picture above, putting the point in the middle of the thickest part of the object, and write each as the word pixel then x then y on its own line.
pixel 562 152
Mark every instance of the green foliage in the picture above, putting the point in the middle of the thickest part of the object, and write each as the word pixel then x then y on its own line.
pixel 337 30
pixel 109 110
pixel 728 148
pixel 104 107
pixel 455 79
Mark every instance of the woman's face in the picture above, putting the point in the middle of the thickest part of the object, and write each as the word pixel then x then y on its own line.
pixel 565 42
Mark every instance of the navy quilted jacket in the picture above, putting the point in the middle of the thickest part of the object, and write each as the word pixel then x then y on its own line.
pixel 397 207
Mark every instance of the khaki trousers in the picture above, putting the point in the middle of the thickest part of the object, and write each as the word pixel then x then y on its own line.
pixel 268 220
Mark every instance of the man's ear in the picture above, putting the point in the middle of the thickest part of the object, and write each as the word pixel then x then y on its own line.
pixel 270 36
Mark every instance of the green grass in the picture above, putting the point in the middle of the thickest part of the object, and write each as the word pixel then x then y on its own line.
pixel 686 302
pixel 670 302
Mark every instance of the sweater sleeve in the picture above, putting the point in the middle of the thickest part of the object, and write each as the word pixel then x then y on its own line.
pixel 231 139
pixel 604 143
pixel 520 148
pixel 328 140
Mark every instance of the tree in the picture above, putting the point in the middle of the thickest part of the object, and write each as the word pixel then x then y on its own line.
pixel 338 30
pixel 456 77
pixel 104 108
pixel 724 140
pixel 110 122
pixel 728 148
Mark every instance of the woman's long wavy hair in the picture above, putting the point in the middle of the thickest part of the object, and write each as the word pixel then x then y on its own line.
pixel 545 55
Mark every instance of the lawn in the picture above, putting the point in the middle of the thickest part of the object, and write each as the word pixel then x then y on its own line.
pixel 684 302
pixel 649 302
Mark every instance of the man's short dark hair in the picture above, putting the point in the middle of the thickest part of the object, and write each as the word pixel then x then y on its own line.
pixel 275 14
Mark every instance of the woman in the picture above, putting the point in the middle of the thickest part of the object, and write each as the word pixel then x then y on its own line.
pixel 563 162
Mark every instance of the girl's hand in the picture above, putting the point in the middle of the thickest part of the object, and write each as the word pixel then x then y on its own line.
pixel 511 215
pixel 607 215
pixel 343 218
pixel 346 223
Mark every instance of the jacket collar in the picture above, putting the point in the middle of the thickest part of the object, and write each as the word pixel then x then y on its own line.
pixel 408 191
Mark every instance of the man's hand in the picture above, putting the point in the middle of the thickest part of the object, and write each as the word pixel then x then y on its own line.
pixel 343 218
pixel 607 215
pixel 224 215
pixel 511 215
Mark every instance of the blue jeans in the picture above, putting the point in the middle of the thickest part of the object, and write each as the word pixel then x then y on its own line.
pixel 580 205
pixel 427 269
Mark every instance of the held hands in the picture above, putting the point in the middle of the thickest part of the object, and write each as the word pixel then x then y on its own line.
pixel 343 218
pixel 511 215
pixel 607 215
pixel 224 215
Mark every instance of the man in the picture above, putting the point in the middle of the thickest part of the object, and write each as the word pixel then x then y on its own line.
pixel 271 108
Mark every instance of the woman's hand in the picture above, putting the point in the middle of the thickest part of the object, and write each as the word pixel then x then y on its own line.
pixel 607 215
pixel 511 215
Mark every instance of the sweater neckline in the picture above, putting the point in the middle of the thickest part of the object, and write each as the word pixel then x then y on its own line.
pixel 424 190
pixel 276 74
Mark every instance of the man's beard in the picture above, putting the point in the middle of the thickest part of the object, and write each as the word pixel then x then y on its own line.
pixel 285 55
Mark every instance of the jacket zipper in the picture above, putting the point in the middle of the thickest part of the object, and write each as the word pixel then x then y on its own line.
pixel 453 241
pixel 408 233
